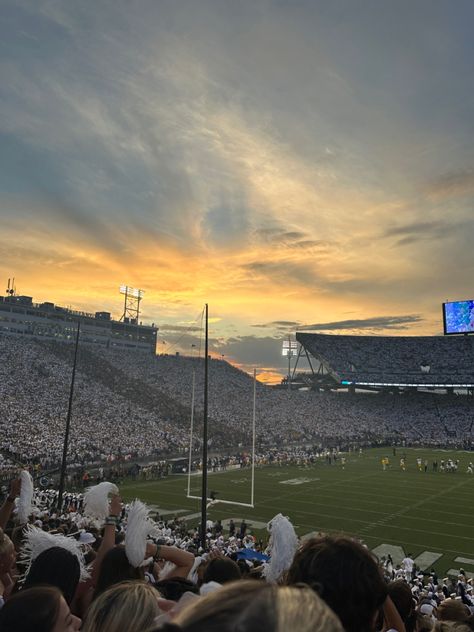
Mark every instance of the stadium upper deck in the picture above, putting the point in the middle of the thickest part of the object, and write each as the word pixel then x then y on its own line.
pixel 394 361
pixel 20 316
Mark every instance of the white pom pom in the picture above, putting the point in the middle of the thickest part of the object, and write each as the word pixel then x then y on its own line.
pixel 96 500
pixel 139 527
pixel 283 545
pixel 36 541
pixel 26 496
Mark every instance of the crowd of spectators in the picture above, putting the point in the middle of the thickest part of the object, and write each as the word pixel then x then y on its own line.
pixel 62 569
pixel 132 406
pixel 34 392
pixel 395 359
pixel 297 416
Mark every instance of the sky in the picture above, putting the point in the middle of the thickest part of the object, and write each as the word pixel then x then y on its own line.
pixel 294 164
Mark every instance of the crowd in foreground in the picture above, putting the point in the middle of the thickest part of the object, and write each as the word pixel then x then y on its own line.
pixel 97 565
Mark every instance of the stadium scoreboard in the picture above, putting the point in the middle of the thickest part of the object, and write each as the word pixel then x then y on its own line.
pixel 458 317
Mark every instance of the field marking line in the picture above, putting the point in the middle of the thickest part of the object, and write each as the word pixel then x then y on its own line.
pixel 292 492
pixel 319 502
pixel 402 512
pixel 381 514
pixel 450 513
pixel 379 539
pixel 374 525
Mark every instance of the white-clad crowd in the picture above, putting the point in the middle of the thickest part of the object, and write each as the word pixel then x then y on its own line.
pixel 130 405
pixel 100 566
pixel 406 359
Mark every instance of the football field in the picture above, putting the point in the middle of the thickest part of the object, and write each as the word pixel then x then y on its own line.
pixel 428 514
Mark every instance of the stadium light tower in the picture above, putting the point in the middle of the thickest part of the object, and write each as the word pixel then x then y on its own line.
pixel 289 349
pixel 131 308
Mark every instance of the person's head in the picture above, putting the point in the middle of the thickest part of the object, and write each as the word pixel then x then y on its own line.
pixel 7 553
pixel 130 605
pixel 175 587
pixel 42 609
pixel 424 623
pixel 452 610
pixel 116 568
pixel 221 570
pixel 256 606
pixel 56 567
pixel 401 595
pixel 346 575
pixel 451 626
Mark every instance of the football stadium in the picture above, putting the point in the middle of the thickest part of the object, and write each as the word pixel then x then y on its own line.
pixel 375 442
pixel 271 429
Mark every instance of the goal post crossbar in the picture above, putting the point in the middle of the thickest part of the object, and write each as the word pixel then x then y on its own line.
pixel 225 502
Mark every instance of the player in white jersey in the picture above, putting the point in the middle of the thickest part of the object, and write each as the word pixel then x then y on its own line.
pixel 470 468
pixel 407 565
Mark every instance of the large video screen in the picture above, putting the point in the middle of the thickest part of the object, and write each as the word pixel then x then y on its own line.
pixel 458 317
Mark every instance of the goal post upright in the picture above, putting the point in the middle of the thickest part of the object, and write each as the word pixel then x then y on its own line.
pixel 252 488
pixel 252 485
pixel 191 434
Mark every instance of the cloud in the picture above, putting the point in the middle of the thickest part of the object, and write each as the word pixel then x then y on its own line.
pixel 279 324
pixel 143 147
pixel 179 328
pixel 253 350
pixel 452 184
pixel 283 272
pixel 291 239
pixel 426 231
pixel 375 323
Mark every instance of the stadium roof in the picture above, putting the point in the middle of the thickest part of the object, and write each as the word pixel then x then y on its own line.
pixel 411 361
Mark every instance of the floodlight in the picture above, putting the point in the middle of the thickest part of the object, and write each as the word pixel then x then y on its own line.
pixel 131 291
pixel 289 348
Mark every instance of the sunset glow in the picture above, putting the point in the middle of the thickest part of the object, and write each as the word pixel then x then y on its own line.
pixel 290 166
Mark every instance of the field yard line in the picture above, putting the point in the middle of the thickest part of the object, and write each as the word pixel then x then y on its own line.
pixel 388 489
pixel 401 512
pixel 411 544
pixel 319 500
pixel 292 493
pixel 323 515
pixel 386 513
pixel 450 513
pixel 379 524
pixel 315 505
pixel 399 527
pixel 454 524
pixel 400 542
pixel 357 492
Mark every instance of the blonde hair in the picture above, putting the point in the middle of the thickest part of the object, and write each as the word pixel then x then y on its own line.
pixel 130 605
pixel 298 610
pixel 250 605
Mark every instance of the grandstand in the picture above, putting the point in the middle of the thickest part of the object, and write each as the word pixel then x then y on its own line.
pixel 20 316
pixel 389 362
pixel 137 405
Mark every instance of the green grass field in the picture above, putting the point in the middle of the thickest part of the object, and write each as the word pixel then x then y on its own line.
pixel 430 515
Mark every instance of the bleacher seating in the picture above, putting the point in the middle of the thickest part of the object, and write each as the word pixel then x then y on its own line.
pixel 422 360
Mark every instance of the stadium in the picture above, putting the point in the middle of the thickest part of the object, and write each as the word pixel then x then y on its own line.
pixel 375 442
pixel 271 429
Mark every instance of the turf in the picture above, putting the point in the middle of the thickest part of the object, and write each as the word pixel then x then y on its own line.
pixel 417 511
